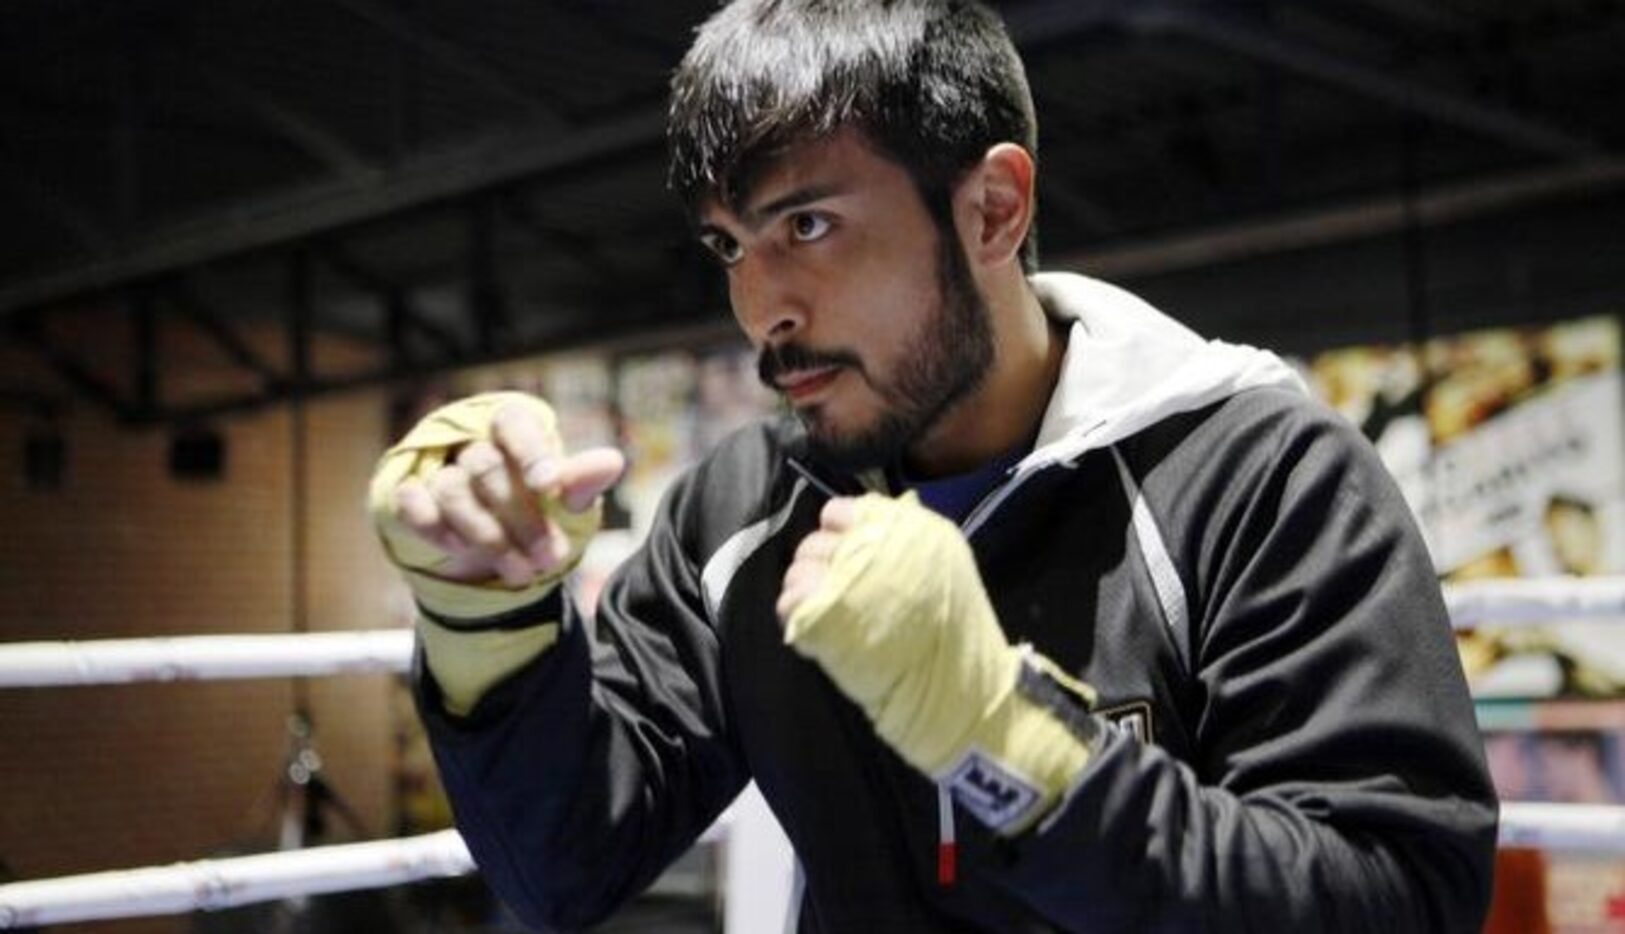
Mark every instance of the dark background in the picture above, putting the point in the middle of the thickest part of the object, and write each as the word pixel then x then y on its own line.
pixel 451 181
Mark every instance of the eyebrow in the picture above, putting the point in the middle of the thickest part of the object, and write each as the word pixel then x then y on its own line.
pixel 755 218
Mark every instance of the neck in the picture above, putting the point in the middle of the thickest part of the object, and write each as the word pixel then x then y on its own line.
pixel 1005 409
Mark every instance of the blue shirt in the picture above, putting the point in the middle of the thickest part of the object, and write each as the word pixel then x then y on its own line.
pixel 954 497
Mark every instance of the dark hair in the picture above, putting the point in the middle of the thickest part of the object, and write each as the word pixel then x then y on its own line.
pixel 932 84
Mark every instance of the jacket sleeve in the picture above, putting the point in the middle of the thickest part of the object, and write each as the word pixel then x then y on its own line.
pixel 1338 780
pixel 580 778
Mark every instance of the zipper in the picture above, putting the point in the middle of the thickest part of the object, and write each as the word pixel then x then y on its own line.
pixel 984 510
pixel 1072 448
pixel 817 483
pixel 947 843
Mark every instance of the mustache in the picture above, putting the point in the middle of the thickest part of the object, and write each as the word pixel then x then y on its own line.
pixel 774 361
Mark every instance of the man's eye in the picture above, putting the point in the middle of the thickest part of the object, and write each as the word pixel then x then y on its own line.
pixel 809 226
pixel 723 247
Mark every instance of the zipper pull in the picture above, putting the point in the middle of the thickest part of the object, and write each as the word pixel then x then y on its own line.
pixel 947 848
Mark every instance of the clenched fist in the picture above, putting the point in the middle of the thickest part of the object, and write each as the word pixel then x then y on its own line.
pixel 886 598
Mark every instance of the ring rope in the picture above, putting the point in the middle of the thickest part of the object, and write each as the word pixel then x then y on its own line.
pixel 210 885
pixel 230 882
pixel 186 658
pixel 197 658
pixel 1582 828
pixel 1527 600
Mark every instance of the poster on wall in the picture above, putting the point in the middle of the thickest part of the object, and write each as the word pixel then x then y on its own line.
pixel 1507 443
pixel 1508 446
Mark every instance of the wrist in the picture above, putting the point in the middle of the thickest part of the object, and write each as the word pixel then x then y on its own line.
pixel 1030 746
pixel 467 663
pixel 464 605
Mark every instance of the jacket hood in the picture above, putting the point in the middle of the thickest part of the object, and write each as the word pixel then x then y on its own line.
pixel 1128 366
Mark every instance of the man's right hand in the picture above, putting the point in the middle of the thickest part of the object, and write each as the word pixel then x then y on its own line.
pixel 481 493
pixel 486 510
pixel 484 514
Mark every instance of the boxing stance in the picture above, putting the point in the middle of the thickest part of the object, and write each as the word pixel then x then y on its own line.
pixel 1034 612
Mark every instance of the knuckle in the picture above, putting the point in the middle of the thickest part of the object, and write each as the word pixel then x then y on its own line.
pixel 448 481
pixel 417 520
pixel 407 505
pixel 492 485
pixel 526 533
pixel 446 540
pixel 489 541
pixel 485 528
pixel 478 456
pixel 511 425
pixel 514 569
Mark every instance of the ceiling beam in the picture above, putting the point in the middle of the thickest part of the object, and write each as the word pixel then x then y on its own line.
pixel 1246 240
pixel 332 205
pixel 400 311
pixel 185 299
pixel 583 251
pixel 639 329
pixel 72 371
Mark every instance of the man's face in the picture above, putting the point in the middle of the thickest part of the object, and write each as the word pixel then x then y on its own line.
pixel 864 314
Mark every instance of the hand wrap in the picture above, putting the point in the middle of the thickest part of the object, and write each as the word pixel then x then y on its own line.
pixel 902 625
pixel 469 637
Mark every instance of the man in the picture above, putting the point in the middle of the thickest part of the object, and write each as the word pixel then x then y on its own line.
pixel 1040 614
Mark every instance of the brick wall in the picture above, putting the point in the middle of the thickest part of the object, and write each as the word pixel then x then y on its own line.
pixel 106 777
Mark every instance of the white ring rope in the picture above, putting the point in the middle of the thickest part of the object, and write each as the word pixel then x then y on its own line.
pixel 1534 600
pixel 240 880
pixel 1587 828
pixel 213 884
pixel 183 658
pixel 189 658
pixel 227 883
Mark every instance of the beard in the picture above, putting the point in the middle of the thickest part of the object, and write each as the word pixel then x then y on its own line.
pixel 946 361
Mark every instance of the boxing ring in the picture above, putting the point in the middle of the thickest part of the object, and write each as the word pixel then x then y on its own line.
pixel 759 867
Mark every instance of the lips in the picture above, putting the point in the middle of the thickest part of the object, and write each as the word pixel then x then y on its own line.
pixel 801 385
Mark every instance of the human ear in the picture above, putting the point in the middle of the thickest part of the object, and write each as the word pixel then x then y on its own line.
pixel 995 202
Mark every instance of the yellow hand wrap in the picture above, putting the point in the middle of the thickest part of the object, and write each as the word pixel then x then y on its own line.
pixel 902 624
pixel 466 662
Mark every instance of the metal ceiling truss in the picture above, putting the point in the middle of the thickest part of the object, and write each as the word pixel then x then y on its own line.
pixel 140 397
pixel 484 179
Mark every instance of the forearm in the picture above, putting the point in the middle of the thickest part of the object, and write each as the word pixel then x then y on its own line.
pixel 570 800
pixel 1141 845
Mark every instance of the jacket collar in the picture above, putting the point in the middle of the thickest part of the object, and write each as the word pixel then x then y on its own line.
pixel 1128 366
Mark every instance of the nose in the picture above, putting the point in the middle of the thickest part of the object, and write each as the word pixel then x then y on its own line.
pixel 765 302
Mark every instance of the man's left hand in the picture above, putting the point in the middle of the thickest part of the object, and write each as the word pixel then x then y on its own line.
pixel 886 598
